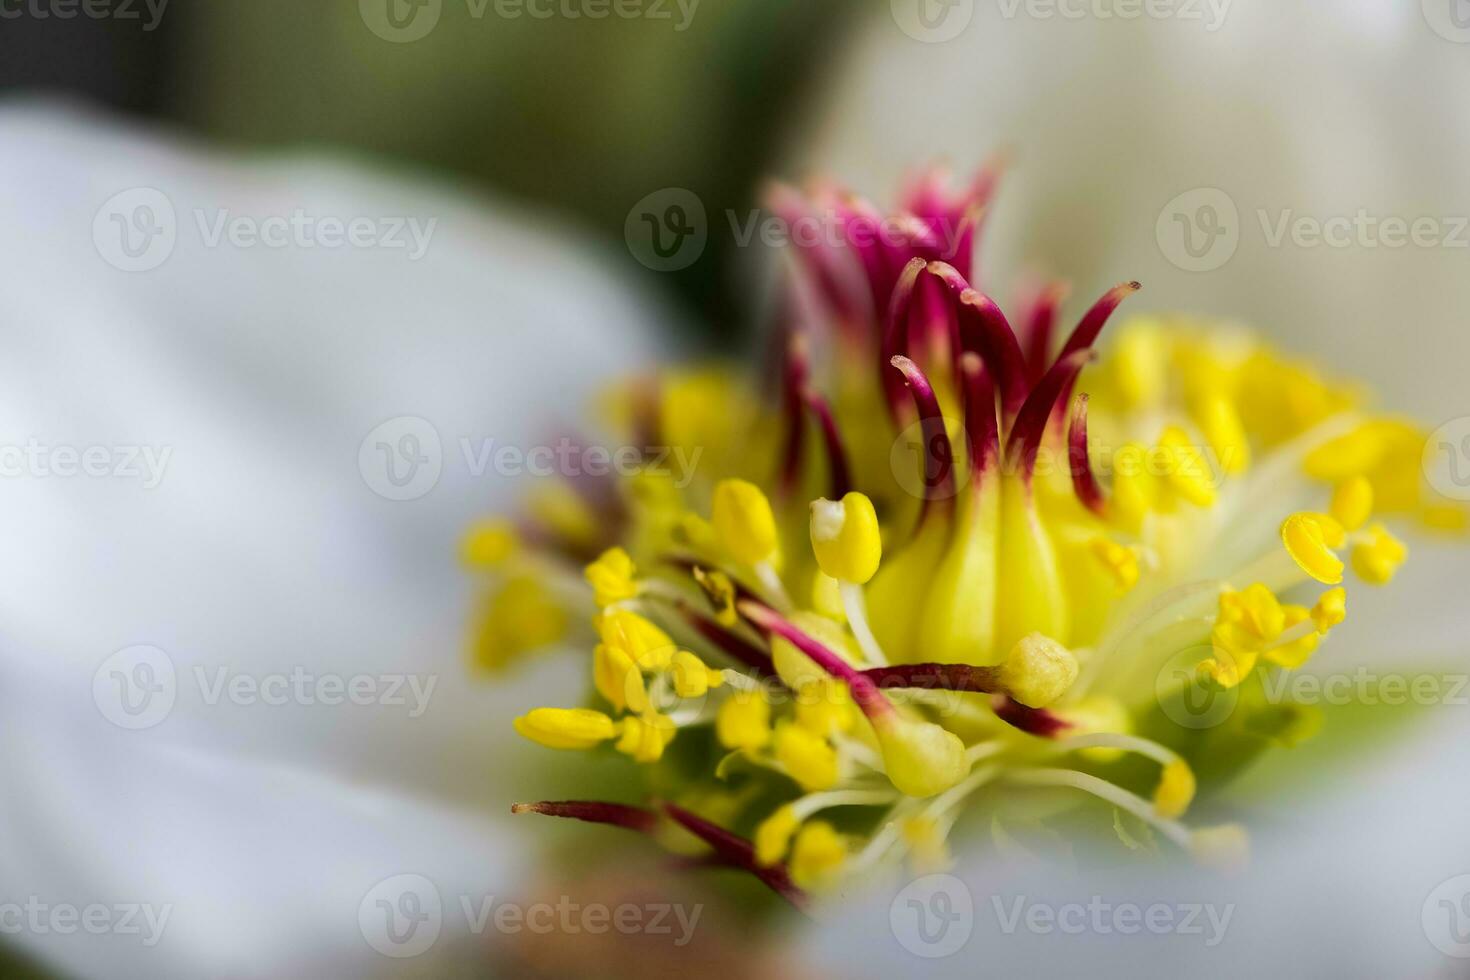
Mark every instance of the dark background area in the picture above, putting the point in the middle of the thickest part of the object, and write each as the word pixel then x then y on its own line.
pixel 581 117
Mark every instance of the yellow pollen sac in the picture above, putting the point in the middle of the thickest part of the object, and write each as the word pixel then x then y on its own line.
pixel 1378 556
pixel 650 647
pixel 744 524
pixel 522 615
pixel 807 757
pixel 773 835
pixel 845 537
pixel 1120 561
pixel 1292 655
pixel 488 544
pixel 1038 671
pixel 825 707
pixel 744 721
pixel 1175 790
pixel 644 738
pixel 618 679
pixel 1304 536
pixel 566 728
pixel 1225 848
pixel 1188 472
pixel 696 532
pixel 1330 609
pixel 691 677
pixel 921 758
pixel 1221 425
pixel 817 855
pixel 1352 502
pixel 611 577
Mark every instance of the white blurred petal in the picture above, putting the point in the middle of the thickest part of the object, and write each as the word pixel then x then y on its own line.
pixel 263 549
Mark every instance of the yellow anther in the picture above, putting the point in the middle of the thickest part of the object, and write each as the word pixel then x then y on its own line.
pixel 1175 790
pixel 1222 848
pixel 744 523
pixel 1304 536
pixel 1120 561
pixel 1140 364
pixel 488 544
pixel 696 532
pixel 825 706
pixel 650 647
pixel 521 615
pixel 817 855
pixel 1135 492
pixel 1331 609
pixel 744 721
pixel 1038 670
pixel 611 577
pixel 1187 471
pixel 560 509
pixel 920 757
pixel 1292 655
pixel 845 537
pixel 1093 715
pixel 1378 555
pixel 1222 428
pixel 618 679
pixel 807 757
pixel 773 835
pixel 1253 611
pixel 1352 502
pixel 645 737
pixel 691 677
pixel 1352 454
pixel 566 728
pixel 721 592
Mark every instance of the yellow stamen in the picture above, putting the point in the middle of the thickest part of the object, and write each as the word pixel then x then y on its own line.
pixel 1377 557
pixel 1038 671
pixel 845 537
pixel 773 835
pixel 744 524
pixel 817 855
pixel 645 737
pixel 1330 609
pixel 611 577
pixel 1120 561
pixel 691 677
pixel 807 757
pixel 1175 790
pixel 1352 502
pixel 488 544
pixel 1304 536
pixel 618 679
pixel 744 721
pixel 566 728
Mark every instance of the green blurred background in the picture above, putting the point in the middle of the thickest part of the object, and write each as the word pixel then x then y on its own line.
pixel 580 116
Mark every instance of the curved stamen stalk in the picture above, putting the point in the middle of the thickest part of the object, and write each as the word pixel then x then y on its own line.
pixel 594 811
pixel 1096 318
pixel 981 425
pixel 855 607
pixel 865 693
pixel 738 852
pixel 795 371
pixel 1033 721
pixel 985 330
pixel 1025 436
pixel 939 459
pixel 939 677
pixel 895 335
pixel 837 470
pixel 1084 481
pixel 1040 328
pixel 1109 793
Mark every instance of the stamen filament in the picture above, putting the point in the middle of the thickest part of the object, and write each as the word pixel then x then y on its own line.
pixel 856 608
pixel 1107 792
